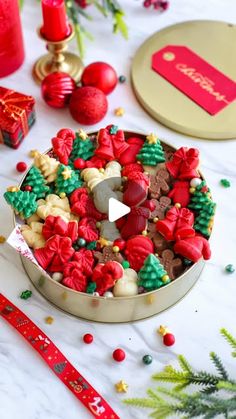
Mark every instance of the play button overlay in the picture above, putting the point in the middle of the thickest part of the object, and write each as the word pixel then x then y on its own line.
pixel 116 209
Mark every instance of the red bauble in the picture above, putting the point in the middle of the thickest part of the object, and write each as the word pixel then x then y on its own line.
pixel 168 339
pixel 88 105
pixel 28 188
pixel 21 166
pixel 57 88
pixel 119 355
pixel 100 75
pixel 88 338
pixel 79 163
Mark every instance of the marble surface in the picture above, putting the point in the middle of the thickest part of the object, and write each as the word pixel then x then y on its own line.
pixel 28 390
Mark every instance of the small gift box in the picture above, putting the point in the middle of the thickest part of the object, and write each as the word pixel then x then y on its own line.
pixel 17 115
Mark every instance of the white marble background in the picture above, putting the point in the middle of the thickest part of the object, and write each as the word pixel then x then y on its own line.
pixel 28 390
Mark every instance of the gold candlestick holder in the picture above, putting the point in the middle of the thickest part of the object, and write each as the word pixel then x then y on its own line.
pixel 58 59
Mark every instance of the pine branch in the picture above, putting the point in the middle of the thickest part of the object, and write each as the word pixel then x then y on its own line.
pixel 219 366
pixel 226 385
pixel 230 339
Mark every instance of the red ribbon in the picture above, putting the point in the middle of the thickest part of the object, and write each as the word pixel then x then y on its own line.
pixel 56 361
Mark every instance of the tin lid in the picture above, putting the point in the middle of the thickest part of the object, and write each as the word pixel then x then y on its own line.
pixel 213 41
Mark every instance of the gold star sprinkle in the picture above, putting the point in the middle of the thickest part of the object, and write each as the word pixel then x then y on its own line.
pixel 82 134
pixel 66 173
pixel 13 189
pixel 119 111
pixel 121 387
pixel 152 138
pixel 33 153
pixel 163 330
pixel 49 320
pixel 2 239
pixel 103 242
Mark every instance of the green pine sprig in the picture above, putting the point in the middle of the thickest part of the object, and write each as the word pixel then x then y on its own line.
pixel 216 394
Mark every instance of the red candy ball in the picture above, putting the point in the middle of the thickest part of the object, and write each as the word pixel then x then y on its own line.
pixel 168 339
pixel 28 188
pixel 100 75
pixel 88 105
pixel 79 163
pixel 120 243
pixel 88 338
pixel 21 166
pixel 57 88
pixel 119 355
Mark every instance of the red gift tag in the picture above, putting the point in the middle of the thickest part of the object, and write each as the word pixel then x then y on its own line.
pixel 195 77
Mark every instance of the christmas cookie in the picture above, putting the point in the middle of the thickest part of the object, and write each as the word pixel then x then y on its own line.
pixel 64 202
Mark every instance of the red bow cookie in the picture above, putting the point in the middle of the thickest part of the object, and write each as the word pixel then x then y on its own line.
pixel 82 204
pixel 85 260
pixel 73 277
pixel 110 146
pixel 56 225
pixel 177 224
pixel 62 145
pixel 87 229
pixel 56 252
pixel 106 275
pixel 184 164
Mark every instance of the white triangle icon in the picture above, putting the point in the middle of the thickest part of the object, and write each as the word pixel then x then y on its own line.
pixel 116 209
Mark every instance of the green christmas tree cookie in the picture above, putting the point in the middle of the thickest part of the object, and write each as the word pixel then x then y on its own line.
pixel 36 180
pixel 22 202
pixel 67 180
pixel 200 197
pixel 204 221
pixel 152 152
pixel 82 147
pixel 152 275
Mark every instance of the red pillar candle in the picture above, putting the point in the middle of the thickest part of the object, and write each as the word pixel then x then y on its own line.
pixel 55 23
pixel 11 40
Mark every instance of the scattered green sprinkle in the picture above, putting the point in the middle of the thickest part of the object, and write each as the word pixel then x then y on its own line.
pixel 26 294
pixel 225 183
pixel 230 268
pixel 114 129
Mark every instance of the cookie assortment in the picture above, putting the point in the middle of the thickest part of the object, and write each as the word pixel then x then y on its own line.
pixel 64 202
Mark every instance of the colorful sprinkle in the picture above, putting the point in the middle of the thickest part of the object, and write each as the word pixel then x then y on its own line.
pixel 26 294
pixel 49 320
pixel 118 355
pixel 88 338
pixel 21 166
pixel 121 387
pixel 225 183
pixel 122 79
pixel 230 268
pixel 2 239
pixel 119 111
pixel 147 359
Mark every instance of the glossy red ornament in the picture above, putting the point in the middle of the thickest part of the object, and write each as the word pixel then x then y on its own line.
pixel 88 338
pixel 57 89
pixel 21 166
pixel 168 339
pixel 100 75
pixel 118 355
pixel 88 105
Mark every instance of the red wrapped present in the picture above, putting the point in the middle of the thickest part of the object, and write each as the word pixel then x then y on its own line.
pixel 17 115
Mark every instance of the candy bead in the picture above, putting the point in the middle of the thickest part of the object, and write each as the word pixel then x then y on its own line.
pixel 115 249
pixel 108 294
pixel 122 79
pixel 57 276
pixel 192 190
pixel 147 359
pixel 118 355
pixel 79 163
pixel 165 278
pixel 81 242
pixel 168 339
pixel 28 188
pixel 21 166
pixel 120 243
pixel 88 338
pixel 196 181
pixel 62 195
pixel 178 205
pixel 155 219
pixel 125 264
pixel 230 268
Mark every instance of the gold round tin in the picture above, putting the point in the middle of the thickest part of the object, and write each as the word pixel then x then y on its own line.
pixel 213 41
pixel 117 309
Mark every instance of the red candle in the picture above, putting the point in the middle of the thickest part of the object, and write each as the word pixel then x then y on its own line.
pixel 11 40
pixel 55 23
